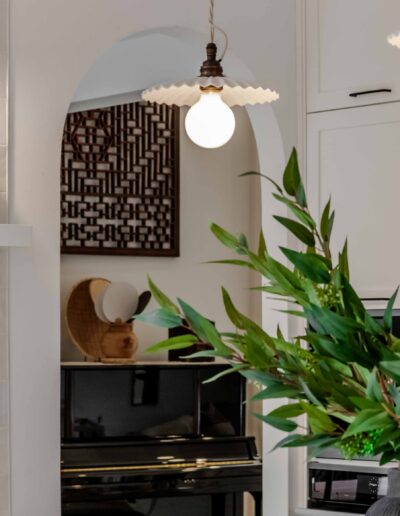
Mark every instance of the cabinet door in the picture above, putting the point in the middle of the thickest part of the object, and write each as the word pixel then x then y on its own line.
pixel 354 156
pixel 348 52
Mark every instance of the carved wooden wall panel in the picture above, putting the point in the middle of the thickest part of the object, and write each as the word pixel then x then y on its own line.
pixel 120 181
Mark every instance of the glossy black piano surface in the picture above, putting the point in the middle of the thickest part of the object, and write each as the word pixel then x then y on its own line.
pixel 155 440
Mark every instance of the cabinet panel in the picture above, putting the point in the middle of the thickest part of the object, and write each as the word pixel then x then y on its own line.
pixel 354 155
pixel 347 52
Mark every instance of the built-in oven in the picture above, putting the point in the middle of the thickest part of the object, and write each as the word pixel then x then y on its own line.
pixel 345 486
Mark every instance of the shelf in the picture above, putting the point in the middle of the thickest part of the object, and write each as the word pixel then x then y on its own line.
pixel 15 235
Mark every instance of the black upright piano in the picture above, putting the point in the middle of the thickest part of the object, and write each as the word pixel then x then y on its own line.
pixel 155 440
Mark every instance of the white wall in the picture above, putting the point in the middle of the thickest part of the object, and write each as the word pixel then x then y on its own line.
pixel 53 43
pixel 210 192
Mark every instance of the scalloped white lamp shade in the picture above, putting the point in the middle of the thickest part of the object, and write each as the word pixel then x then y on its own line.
pixel 187 93
pixel 394 40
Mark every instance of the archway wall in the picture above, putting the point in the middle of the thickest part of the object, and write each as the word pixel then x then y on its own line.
pixel 209 185
pixel 53 43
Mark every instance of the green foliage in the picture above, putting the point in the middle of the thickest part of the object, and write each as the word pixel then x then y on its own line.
pixel 343 372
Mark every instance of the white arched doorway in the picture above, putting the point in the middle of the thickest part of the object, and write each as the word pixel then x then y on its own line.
pixel 52 45
pixel 174 54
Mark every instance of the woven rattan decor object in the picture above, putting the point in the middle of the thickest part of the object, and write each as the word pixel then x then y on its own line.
pixel 85 329
pixel 120 181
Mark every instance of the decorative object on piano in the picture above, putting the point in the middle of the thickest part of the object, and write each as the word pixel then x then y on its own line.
pixel 99 319
pixel 343 371
pixel 120 181
pixel 119 342
pixel 116 301
pixel 185 355
pixel 210 122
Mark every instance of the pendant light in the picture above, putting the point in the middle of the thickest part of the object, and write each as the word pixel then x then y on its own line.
pixel 210 122
pixel 394 40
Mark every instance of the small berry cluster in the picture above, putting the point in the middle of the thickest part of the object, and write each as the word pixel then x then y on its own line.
pixel 309 361
pixel 360 444
pixel 328 295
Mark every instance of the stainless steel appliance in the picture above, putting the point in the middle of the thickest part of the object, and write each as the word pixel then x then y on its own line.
pixel 345 486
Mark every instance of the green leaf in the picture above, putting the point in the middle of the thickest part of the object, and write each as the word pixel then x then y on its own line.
pixel 301 195
pixel 282 275
pixel 309 394
pixel 344 261
pixel 367 420
pixel 233 314
pixel 161 298
pixel 291 176
pixel 180 342
pixel 391 368
pixel 364 403
pixel 388 317
pixel 227 239
pixel 207 353
pixel 286 425
pixel 339 350
pixel 264 177
pixel 242 239
pixel 395 344
pixel 239 263
pixel 262 246
pixel 162 318
pixel 308 264
pixel 304 217
pixel 319 421
pixel 388 456
pixel 275 289
pixel 330 225
pixel 374 391
pixel 298 230
pixel 275 392
pixel 255 351
pixel 372 326
pixel 395 394
pixel 324 226
pixel 351 299
pixel 297 440
pixel 327 322
pixel 389 436
pixel 288 411
pixel 204 329
pixel 259 377
pixel 231 370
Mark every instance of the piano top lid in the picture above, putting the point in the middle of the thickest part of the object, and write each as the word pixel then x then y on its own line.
pixel 85 365
pixel 163 453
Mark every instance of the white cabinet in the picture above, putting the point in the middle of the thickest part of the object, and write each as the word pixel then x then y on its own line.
pixel 347 52
pixel 354 155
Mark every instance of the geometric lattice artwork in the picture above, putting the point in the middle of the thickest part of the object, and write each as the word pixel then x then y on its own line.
pixel 120 181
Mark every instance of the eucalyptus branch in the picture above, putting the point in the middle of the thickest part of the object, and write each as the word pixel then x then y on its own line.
pixel 347 380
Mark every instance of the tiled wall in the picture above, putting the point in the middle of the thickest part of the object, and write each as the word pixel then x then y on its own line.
pixel 4 398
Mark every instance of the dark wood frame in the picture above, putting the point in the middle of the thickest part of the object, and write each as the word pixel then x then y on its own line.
pixel 175 247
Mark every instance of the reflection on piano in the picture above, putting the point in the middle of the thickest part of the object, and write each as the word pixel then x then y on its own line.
pixel 154 440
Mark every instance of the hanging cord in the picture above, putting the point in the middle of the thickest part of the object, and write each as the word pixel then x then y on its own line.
pixel 214 27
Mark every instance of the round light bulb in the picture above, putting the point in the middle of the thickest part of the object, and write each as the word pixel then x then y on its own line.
pixel 210 123
pixel 394 39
